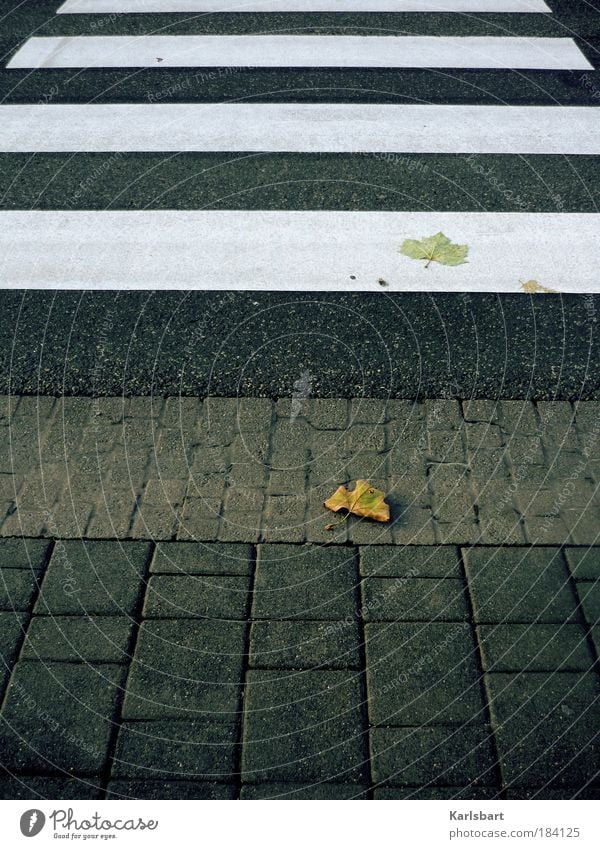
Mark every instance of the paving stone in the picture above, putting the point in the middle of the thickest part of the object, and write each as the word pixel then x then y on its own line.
pixel 595 635
pixel 584 563
pixel 29 523
pixel 12 628
pixel 422 673
pixel 316 791
pixel 178 790
pixel 535 648
pixel 436 755
pixel 98 639
pixel 243 528
pixel 58 717
pixel 589 593
pixel 176 750
pixel 364 532
pixel 185 668
pixel 587 415
pixel 17 589
pixel 200 519
pixel 205 596
pixel 481 411
pixel 368 411
pixel 327 445
pixel 304 582
pixel 284 518
pixel 459 532
pixel 411 561
pixel 555 415
pixel 467 793
pixel 547 531
pixel 483 436
pixel 414 527
pixel 286 482
pixel 45 787
pixel 102 521
pixel 446 448
pixel 93 577
pixel 305 645
pixel 414 600
pixel 443 414
pixel 254 414
pixel 197 559
pixel 545 727
pixel 23 553
pixel 519 585
pixel 525 451
pixel 503 529
pixel 326 413
pixel 303 726
pixel 365 438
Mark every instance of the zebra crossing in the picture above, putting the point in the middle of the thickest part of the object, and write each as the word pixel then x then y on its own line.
pixel 304 208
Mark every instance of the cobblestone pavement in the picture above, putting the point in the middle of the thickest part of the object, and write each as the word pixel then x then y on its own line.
pixel 172 626
pixel 254 470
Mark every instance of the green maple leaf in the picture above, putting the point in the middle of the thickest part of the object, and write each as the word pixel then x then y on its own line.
pixel 436 248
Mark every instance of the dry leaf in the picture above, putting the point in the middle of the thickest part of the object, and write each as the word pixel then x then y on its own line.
pixel 436 248
pixel 531 287
pixel 364 500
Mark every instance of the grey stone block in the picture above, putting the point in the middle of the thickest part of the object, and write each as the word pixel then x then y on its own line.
pixel 439 755
pixel 204 596
pixel 305 645
pixel 414 600
pixel 535 648
pixel 519 585
pixel 93 577
pixel 304 582
pixel 182 558
pixel 303 726
pixel 57 717
pixel 417 561
pixel 186 669
pixel 176 750
pixel 422 673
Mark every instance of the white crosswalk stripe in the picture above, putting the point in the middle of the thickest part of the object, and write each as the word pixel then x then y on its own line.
pixel 203 6
pixel 300 127
pixel 299 51
pixel 308 248
pixel 321 251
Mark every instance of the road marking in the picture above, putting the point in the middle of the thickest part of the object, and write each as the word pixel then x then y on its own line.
pixel 300 127
pixel 293 250
pixel 298 51
pixel 203 6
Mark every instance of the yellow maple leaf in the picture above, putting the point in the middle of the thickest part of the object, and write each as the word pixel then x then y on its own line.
pixel 531 287
pixel 364 501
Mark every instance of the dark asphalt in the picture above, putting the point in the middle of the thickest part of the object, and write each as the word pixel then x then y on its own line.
pixel 373 344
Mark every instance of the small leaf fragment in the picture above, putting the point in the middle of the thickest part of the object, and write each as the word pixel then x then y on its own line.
pixel 532 287
pixel 436 248
pixel 364 500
